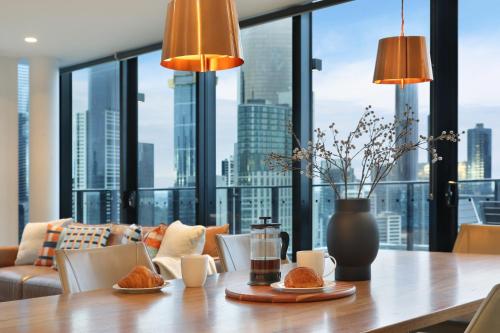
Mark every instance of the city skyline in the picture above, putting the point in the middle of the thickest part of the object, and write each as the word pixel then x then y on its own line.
pixel 341 89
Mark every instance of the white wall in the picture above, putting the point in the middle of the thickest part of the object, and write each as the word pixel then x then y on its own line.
pixel 44 139
pixel 8 151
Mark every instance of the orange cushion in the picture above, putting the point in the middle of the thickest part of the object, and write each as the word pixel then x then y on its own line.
pixel 211 241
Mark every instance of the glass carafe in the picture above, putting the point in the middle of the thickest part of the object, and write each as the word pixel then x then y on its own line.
pixel 265 244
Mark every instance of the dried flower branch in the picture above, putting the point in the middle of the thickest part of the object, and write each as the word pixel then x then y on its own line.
pixel 387 143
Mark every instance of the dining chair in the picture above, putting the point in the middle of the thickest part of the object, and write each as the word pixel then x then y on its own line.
pixel 472 238
pixel 100 268
pixel 486 319
pixel 478 238
pixel 234 251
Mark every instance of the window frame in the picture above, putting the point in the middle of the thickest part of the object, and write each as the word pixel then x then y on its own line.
pixel 444 96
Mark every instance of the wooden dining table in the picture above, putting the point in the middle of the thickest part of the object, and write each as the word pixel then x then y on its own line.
pixel 408 291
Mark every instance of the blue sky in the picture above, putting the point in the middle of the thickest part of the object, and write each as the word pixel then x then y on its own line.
pixel 345 37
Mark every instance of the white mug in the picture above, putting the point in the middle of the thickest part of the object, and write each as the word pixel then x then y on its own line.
pixel 194 269
pixel 315 259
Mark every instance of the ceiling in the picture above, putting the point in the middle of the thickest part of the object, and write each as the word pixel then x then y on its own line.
pixel 76 31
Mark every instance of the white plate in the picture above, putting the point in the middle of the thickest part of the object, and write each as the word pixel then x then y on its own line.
pixel 280 286
pixel 139 290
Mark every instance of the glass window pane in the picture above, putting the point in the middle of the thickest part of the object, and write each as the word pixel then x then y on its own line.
pixel 345 38
pixel 167 143
pixel 23 108
pixel 96 144
pixel 254 107
pixel 479 108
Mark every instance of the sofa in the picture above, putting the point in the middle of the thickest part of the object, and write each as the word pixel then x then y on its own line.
pixel 29 281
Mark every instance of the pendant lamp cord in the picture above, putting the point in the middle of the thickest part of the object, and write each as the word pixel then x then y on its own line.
pixel 402 18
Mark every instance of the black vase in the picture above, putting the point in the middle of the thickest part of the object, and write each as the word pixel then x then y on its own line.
pixel 352 238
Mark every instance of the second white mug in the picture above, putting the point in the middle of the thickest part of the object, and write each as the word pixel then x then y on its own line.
pixel 315 259
pixel 194 270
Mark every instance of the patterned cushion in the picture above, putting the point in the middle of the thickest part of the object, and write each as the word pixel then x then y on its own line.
pixel 48 249
pixel 85 237
pixel 153 239
pixel 132 234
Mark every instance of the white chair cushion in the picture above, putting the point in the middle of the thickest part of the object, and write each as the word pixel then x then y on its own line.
pixel 32 240
pixel 181 239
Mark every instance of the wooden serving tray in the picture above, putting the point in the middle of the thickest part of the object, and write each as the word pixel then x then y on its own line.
pixel 244 292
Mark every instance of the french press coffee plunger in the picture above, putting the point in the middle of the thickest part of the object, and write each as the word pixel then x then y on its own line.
pixel 265 245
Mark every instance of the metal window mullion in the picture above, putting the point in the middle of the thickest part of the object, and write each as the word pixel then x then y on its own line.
pixel 128 140
pixel 65 146
pixel 205 149
pixel 302 125
pixel 443 222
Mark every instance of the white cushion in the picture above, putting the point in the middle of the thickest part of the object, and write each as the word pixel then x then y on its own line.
pixel 181 239
pixel 32 240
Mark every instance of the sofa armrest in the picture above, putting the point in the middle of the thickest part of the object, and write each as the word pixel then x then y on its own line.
pixel 8 255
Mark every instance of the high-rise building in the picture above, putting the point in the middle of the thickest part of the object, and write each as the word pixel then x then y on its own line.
pixel 227 170
pixel 393 197
pixel 184 85
pixel 389 228
pixel 262 129
pixel 267 71
pixel 407 106
pixel 146 164
pixel 264 112
pixel 23 86
pixel 97 148
pixel 146 179
pixel 479 152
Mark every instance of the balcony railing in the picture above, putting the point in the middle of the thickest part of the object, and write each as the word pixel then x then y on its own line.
pixel 400 208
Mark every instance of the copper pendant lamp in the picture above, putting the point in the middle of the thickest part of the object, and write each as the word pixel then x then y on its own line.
pixel 201 36
pixel 402 59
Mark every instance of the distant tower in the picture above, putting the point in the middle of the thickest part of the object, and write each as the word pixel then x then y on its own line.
pixel 407 100
pixel 184 85
pixel 97 149
pixel 268 62
pixel 227 167
pixel 264 111
pixel 185 128
pixel 23 93
pixel 479 152
pixel 389 228
pixel 146 179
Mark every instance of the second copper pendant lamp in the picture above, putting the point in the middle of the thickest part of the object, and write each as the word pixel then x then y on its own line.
pixel 402 59
pixel 201 36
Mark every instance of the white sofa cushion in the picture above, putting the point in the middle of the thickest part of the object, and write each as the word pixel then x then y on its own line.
pixel 32 240
pixel 181 239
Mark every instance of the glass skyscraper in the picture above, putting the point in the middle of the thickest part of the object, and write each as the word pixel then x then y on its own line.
pixel 184 84
pixel 479 152
pixel 264 112
pixel 23 106
pixel 97 147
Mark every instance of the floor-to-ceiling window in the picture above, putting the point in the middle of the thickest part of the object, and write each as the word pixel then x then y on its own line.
pixel 23 108
pixel 479 108
pixel 254 108
pixel 345 40
pixel 96 144
pixel 167 143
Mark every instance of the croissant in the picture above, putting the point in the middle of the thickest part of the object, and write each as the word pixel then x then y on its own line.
pixel 141 277
pixel 303 277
